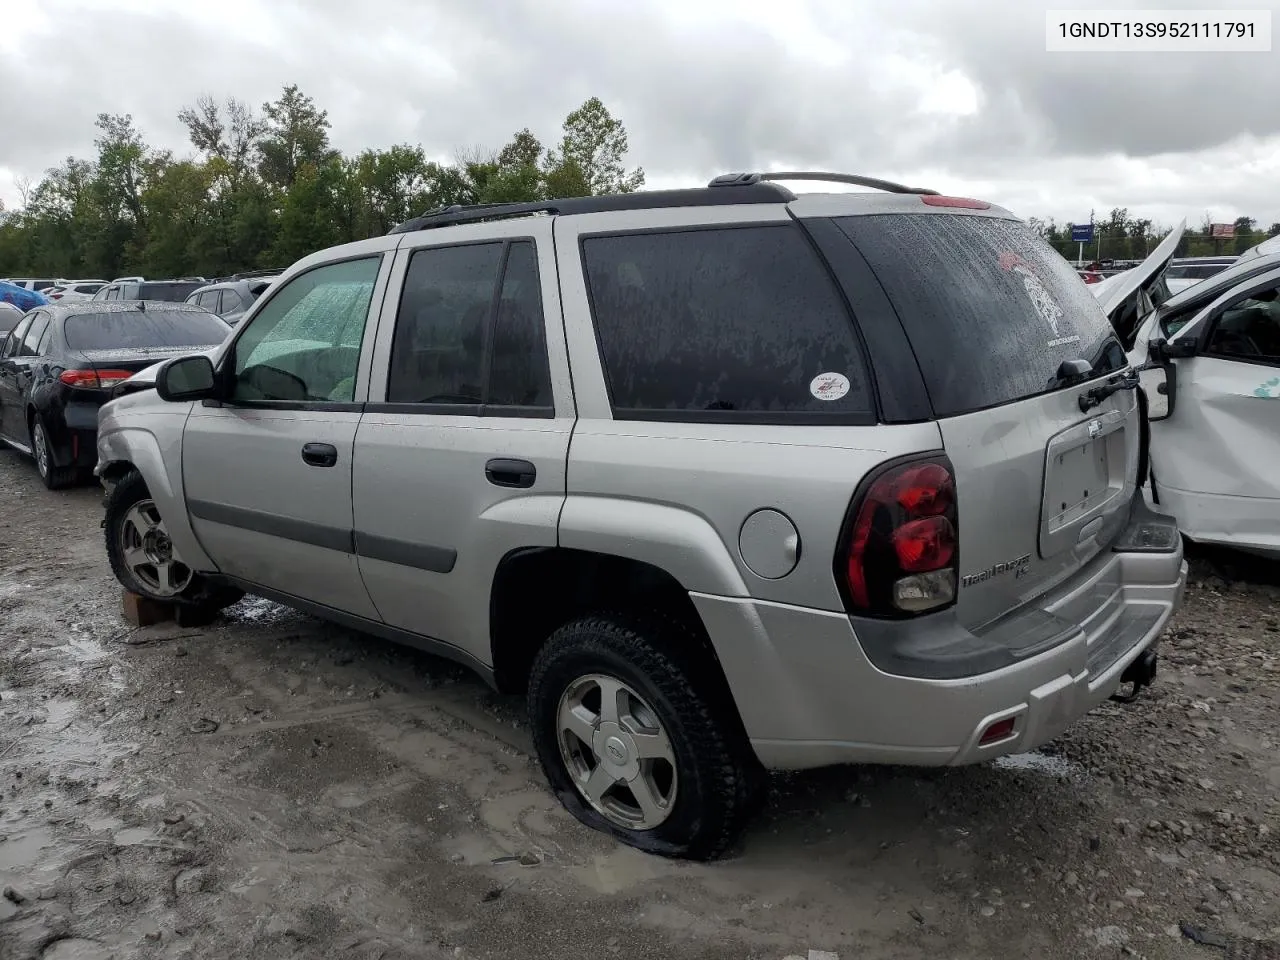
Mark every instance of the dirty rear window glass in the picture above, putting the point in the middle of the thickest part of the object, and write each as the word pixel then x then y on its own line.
pixel 741 320
pixel 173 292
pixel 143 329
pixel 990 309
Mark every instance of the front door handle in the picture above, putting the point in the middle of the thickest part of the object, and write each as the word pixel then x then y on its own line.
pixel 320 454
pixel 510 473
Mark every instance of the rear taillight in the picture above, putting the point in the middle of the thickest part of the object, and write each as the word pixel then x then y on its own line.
pixel 94 379
pixel 900 553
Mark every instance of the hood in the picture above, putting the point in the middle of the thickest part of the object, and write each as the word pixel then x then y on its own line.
pixel 1128 297
pixel 1114 291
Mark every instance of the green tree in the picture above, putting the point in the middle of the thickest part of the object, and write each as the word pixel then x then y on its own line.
pixel 589 159
pixel 229 132
pixel 297 134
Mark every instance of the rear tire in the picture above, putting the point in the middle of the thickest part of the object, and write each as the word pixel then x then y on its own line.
pixel 142 556
pixel 53 476
pixel 667 768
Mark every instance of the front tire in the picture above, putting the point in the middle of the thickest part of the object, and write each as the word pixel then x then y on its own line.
pixel 631 746
pixel 142 555
pixel 53 476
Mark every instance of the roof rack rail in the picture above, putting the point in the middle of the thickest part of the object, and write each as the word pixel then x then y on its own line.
pixel 750 179
pixel 609 203
pixel 251 274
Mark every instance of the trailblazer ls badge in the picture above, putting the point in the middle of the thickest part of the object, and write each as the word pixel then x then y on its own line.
pixel 1019 567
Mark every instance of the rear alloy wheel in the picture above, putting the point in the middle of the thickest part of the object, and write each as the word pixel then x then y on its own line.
pixel 617 752
pixel 638 739
pixel 54 476
pixel 143 557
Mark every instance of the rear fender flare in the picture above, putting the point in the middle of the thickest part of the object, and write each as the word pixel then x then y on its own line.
pixel 681 542
pixel 141 449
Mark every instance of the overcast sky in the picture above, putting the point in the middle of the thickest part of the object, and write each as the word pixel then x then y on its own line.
pixel 958 95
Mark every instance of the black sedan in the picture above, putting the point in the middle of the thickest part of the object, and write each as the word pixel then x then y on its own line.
pixel 60 363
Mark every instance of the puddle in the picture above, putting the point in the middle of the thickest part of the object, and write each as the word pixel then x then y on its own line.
pixel 77 949
pixel 60 712
pixel 98 824
pixel 87 649
pixel 1041 763
pixel 21 851
pixel 130 836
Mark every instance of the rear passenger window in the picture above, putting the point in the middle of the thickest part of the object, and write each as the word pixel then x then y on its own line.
pixel 518 376
pixel 437 355
pixel 724 324
pixel 453 326
pixel 31 342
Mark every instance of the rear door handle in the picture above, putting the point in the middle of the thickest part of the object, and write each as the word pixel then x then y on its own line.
pixel 320 454
pixel 510 473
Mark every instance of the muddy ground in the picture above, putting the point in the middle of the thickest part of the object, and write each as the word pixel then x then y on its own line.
pixel 274 787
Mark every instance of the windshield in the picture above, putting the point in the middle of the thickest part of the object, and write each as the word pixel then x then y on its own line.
pixel 991 310
pixel 144 330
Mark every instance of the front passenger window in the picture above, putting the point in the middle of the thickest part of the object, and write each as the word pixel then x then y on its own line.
pixel 1249 329
pixel 304 344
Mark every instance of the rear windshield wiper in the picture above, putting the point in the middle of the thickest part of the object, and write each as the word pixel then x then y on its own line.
pixel 1124 380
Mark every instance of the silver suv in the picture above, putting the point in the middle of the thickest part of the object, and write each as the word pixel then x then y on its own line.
pixel 723 479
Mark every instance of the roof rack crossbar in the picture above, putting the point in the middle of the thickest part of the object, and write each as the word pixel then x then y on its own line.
pixel 749 179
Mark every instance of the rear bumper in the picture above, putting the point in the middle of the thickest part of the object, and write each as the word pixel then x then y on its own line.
pixel 74 435
pixel 810 697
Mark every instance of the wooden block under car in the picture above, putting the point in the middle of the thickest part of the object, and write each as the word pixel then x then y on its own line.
pixel 142 612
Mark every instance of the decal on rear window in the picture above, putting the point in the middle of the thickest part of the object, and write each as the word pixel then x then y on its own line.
pixel 1041 299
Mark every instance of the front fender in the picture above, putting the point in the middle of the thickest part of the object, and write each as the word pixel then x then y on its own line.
pixel 152 444
pixel 678 541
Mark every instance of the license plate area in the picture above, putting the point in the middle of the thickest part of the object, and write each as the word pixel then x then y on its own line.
pixel 1077 482
pixel 1083 474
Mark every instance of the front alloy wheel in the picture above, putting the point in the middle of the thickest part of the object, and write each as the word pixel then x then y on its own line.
pixel 147 551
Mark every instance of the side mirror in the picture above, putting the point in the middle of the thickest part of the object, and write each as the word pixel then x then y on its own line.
pixel 186 378
pixel 1159 382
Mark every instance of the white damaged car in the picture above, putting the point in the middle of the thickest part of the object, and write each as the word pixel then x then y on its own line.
pixel 1215 416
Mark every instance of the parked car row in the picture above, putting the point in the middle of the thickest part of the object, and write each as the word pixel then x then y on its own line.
pixel 59 363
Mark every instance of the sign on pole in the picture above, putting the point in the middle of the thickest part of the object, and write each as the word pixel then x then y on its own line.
pixel 1082 233
pixel 1222 231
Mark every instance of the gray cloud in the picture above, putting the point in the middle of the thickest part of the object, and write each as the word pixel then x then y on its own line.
pixel 704 88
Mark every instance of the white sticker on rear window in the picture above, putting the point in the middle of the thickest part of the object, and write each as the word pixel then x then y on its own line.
pixel 829 386
pixel 1041 299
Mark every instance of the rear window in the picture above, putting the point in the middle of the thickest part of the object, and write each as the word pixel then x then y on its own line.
pixel 172 292
pixel 724 324
pixel 990 309
pixel 143 329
